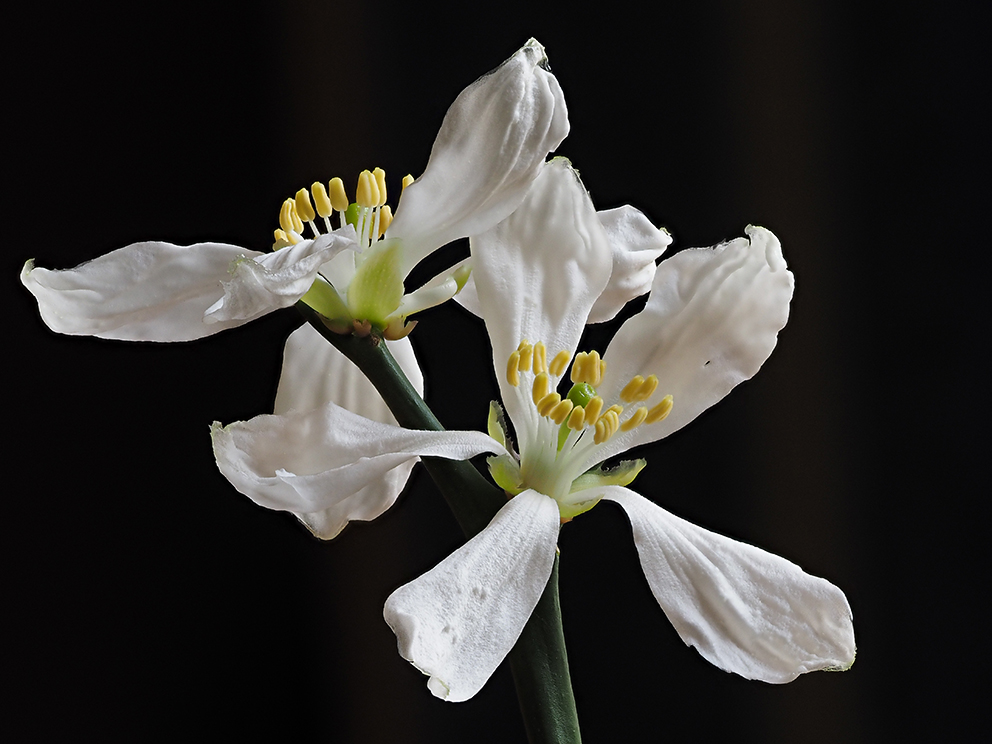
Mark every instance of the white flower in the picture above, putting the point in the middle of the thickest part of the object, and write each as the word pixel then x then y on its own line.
pixel 491 144
pixel 710 322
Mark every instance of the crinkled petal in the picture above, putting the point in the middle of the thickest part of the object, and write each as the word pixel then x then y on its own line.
pixel 492 142
pixel 274 280
pixel 315 373
pixel 309 461
pixel 161 292
pixel 537 275
pixel 636 245
pixel 711 321
pixel 745 610
pixel 459 620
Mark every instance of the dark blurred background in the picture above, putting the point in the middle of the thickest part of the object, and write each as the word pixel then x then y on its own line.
pixel 147 600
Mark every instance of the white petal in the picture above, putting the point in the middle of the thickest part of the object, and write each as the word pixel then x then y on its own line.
pixel 537 275
pixel 459 620
pixel 315 373
pixel 492 142
pixel 274 280
pixel 711 321
pixel 636 245
pixel 309 461
pixel 160 292
pixel 745 610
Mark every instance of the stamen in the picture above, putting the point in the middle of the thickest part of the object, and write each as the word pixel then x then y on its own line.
pixel 560 412
pixel 593 410
pixel 576 419
pixel 631 389
pixel 547 403
pixel 540 358
pixel 339 199
pixel 363 193
pixel 577 367
pixel 647 388
pixel 385 217
pixel 289 220
pixel 560 363
pixel 321 200
pixel 303 206
pixel 380 181
pixel 407 180
pixel 660 411
pixel 512 375
pixel 526 355
pixel 636 420
pixel 542 386
pixel 591 369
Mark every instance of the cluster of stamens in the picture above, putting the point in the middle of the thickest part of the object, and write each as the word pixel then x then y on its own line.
pixel 369 213
pixel 583 408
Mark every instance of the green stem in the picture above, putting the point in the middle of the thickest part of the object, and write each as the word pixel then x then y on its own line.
pixel 539 662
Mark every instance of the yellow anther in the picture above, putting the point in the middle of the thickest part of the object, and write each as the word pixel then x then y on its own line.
pixel 385 217
pixel 320 199
pixel 367 193
pixel 547 403
pixel 542 386
pixel 602 370
pixel 380 181
pixel 631 388
pixel 593 409
pixel 407 180
pixel 660 411
pixel 282 239
pixel 526 356
pixel 512 376
pixel 303 207
pixel 636 420
pixel 560 412
pixel 560 363
pixel 647 388
pixel 601 432
pixel 289 220
pixel 611 420
pixel 576 419
pixel 540 358
pixel 339 199
pixel 591 369
pixel 577 365
pixel 616 409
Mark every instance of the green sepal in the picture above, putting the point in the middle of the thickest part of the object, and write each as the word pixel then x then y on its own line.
pixel 325 299
pixel 622 475
pixel 377 287
pixel 505 470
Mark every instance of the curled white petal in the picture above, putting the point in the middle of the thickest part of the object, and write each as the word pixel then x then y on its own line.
pixel 273 280
pixel 309 461
pixel 459 620
pixel 491 144
pixel 158 291
pixel 315 373
pixel 636 245
pixel 745 610
pixel 711 321
pixel 538 273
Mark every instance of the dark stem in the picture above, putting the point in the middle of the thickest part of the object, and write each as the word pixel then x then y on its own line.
pixel 539 662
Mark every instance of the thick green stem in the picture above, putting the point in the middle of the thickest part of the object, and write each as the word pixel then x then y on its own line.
pixel 539 662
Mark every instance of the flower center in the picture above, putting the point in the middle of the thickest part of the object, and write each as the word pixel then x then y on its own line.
pixel 369 213
pixel 570 429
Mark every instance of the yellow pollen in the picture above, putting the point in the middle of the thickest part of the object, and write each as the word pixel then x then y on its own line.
pixel 540 358
pixel 380 181
pixel 339 199
pixel 289 220
pixel 576 419
pixel 407 180
pixel 303 206
pixel 660 411
pixel 321 200
pixel 636 420
pixel 560 363
pixel 512 375
pixel 547 403
pixel 385 217
pixel 542 386
pixel 631 389
pixel 560 412
pixel 593 409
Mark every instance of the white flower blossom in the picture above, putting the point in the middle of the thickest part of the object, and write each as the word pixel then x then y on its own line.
pixel 492 143
pixel 539 276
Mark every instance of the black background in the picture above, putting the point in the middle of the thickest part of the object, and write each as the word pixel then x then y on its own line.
pixel 145 599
